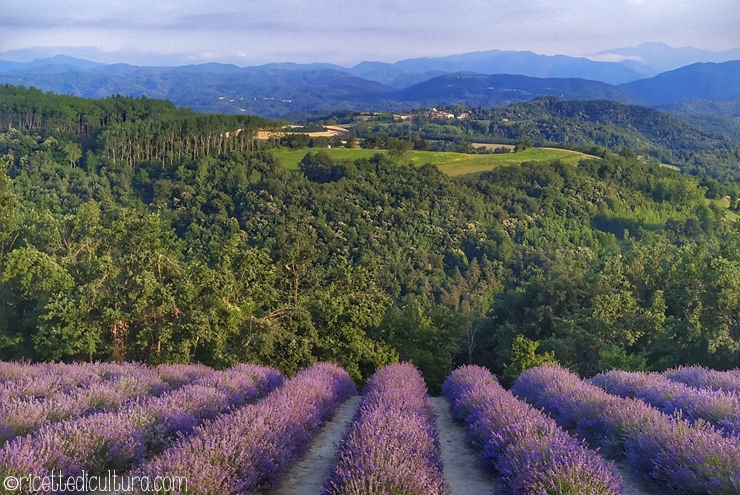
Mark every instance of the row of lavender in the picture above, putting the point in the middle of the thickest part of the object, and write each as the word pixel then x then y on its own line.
pixel 120 439
pixel 45 380
pixel 248 450
pixel 668 450
pixel 527 449
pixel 700 377
pixel 66 375
pixel 720 409
pixel 34 395
pixel 392 445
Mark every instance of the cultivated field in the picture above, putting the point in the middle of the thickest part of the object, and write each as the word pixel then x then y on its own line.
pixel 448 162
pixel 251 430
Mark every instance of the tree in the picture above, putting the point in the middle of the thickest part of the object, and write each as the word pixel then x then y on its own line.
pixel 524 144
pixel 524 357
pixel 73 152
pixel 317 167
pixel 428 336
pixel 398 149
pixel 9 211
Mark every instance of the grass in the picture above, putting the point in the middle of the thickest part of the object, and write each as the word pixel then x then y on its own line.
pixel 724 204
pixel 448 162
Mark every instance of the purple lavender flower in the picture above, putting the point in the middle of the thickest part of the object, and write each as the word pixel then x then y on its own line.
pixel 699 377
pixel 392 445
pixel 55 392
pixel 664 449
pixel 526 449
pixel 720 409
pixel 177 375
pixel 249 449
pixel 119 439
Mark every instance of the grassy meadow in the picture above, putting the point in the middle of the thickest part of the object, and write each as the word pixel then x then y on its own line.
pixel 724 205
pixel 448 162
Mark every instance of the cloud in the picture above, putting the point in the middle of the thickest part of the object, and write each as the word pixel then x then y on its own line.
pixel 354 30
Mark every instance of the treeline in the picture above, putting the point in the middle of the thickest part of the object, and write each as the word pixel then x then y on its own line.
pixel 181 136
pixel 128 130
pixel 229 257
pixel 32 109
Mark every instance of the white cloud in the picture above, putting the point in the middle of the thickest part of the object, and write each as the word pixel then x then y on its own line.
pixel 348 31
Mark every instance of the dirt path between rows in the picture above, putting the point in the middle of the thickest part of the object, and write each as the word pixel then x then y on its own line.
pixel 307 475
pixel 463 470
pixel 632 484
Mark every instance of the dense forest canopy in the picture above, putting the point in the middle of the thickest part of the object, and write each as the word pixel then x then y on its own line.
pixel 130 229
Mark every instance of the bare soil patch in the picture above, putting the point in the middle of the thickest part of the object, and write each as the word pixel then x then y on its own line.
pixel 632 484
pixel 315 465
pixel 463 469
pixel 493 146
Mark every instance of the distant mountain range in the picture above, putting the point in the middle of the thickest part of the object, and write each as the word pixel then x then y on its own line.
pixel 491 78
pixel 650 59
pixel 503 89
pixel 407 72
pixel 707 81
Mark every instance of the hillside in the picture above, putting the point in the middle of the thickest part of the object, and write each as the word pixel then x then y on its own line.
pixel 721 117
pixel 707 81
pixel 270 92
pixel 134 230
pixel 503 89
pixel 583 125
pixel 274 91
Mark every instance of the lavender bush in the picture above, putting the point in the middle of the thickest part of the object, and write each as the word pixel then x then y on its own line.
pixel 391 446
pixel 720 409
pixel 177 375
pixel 54 392
pixel 249 449
pixel 43 380
pixel 117 440
pixel 66 376
pixel 666 450
pixel 529 452
pixel 12 370
pixel 699 377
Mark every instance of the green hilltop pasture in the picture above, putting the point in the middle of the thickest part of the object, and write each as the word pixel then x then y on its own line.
pixel 448 162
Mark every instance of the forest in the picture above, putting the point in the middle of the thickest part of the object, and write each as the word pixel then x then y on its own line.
pixel 134 230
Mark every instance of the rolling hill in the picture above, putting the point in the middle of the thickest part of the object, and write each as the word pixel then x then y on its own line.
pixel 503 89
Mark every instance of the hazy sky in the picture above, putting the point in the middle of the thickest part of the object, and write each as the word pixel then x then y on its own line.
pixel 248 32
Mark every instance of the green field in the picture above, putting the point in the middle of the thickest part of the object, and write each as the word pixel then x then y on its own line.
pixel 724 205
pixel 448 162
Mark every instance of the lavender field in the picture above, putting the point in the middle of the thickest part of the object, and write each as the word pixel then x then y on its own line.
pixel 241 430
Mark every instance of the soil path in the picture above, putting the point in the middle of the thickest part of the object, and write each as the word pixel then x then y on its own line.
pixel 463 470
pixel 307 475
pixel 632 484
